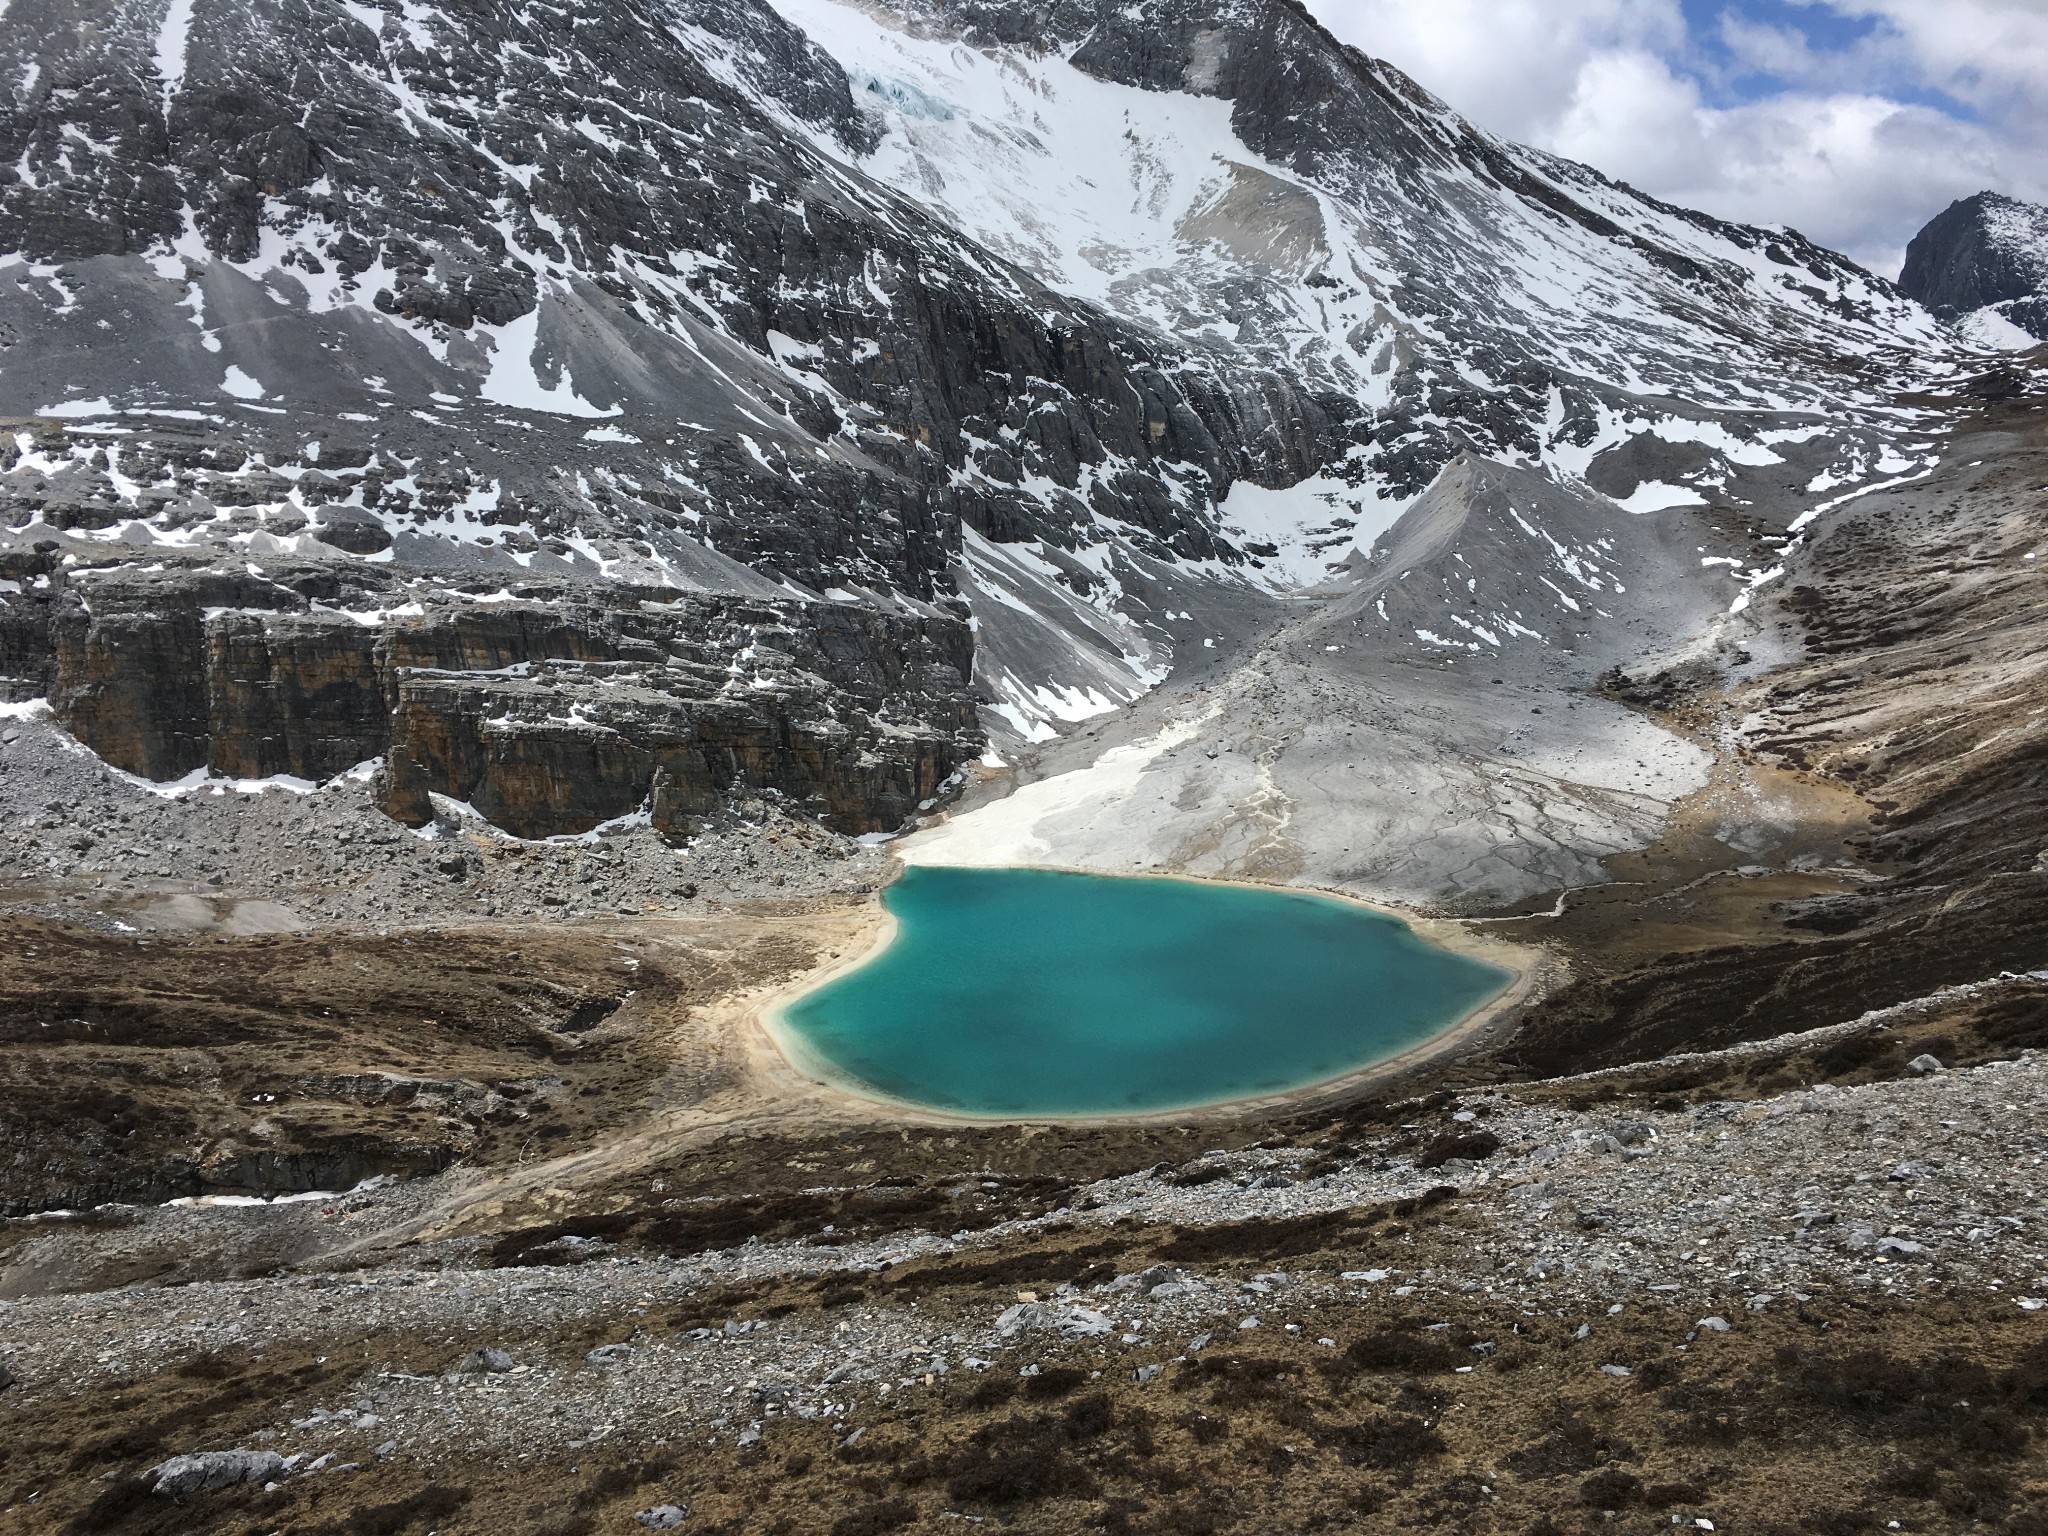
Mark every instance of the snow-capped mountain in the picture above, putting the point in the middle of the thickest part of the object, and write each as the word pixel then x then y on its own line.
pixel 1983 264
pixel 567 377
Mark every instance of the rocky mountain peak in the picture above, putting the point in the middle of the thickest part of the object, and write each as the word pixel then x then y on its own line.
pixel 1983 264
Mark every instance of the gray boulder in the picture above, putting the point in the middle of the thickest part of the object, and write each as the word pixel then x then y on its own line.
pixel 1070 1322
pixel 206 1471
pixel 354 532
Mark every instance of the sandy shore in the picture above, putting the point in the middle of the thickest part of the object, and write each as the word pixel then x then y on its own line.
pixel 1529 967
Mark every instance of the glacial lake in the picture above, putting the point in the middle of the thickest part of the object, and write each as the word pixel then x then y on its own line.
pixel 1029 993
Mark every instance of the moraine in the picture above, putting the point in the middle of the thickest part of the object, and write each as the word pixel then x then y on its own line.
pixel 1029 993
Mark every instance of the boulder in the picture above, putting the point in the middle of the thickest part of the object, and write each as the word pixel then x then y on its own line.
pixel 206 1471
pixel 351 531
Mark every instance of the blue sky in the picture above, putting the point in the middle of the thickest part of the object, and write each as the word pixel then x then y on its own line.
pixel 1818 31
pixel 1853 120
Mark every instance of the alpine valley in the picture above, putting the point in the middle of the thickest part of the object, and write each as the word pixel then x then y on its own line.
pixel 519 517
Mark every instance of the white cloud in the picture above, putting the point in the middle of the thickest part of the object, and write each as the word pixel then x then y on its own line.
pixel 1843 144
pixel 1988 53
pixel 1510 64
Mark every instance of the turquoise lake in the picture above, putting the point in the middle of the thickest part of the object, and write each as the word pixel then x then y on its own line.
pixel 1023 992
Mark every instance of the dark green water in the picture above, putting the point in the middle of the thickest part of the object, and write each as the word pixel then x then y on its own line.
pixel 1028 992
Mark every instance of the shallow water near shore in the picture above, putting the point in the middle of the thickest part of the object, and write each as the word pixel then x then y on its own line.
pixel 1026 992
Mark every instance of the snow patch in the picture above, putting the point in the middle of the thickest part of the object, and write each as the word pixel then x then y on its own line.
pixel 1657 496
pixel 1008 831
pixel 75 408
pixel 173 42
pixel 513 380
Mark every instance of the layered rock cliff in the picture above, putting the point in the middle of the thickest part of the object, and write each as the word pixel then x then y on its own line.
pixel 549 709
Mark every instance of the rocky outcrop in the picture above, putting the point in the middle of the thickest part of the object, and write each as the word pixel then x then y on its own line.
pixel 1987 252
pixel 549 710
pixel 549 724
pixel 210 1471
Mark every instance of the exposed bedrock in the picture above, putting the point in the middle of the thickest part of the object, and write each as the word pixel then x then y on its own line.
pixel 1913 627
pixel 549 710
pixel 1983 252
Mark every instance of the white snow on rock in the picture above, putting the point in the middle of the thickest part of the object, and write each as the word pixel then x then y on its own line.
pixel 1987 327
pixel 1017 829
pixel 513 379
pixel 76 408
pixel 1656 496
pixel 173 42
pixel 1314 524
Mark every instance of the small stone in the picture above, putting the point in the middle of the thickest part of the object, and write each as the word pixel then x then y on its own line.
pixel 1616 1370
pixel 1714 1324
pixel 1084 1323
pixel 663 1517
pixel 1161 1277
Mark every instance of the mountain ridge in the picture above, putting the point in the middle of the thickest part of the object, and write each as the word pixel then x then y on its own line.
pixel 826 356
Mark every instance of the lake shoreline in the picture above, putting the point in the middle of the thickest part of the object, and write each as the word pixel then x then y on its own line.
pixel 1530 969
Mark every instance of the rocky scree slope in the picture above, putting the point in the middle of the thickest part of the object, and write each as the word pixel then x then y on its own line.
pixel 835 306
pixel 1983 264
pixel 1619 1306
pixel 1899 657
